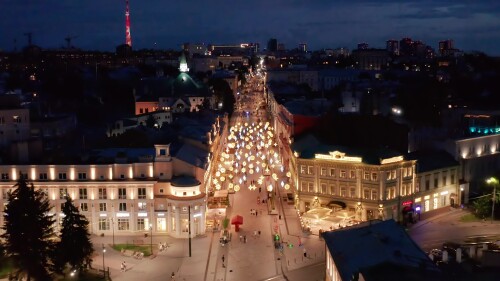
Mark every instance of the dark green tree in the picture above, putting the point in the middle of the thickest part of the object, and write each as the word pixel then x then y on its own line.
pixel 482 207
pixel 29 231
pixel 75 247
pixel 223 94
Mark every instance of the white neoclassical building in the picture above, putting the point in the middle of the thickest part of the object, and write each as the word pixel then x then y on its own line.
pixel 128 191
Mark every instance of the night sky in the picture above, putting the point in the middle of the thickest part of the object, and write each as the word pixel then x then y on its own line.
pixel 99 24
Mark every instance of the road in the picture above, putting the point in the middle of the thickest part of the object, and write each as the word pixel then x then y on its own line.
pixel 431 233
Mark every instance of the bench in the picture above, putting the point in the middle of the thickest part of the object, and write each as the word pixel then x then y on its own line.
pixel 127 253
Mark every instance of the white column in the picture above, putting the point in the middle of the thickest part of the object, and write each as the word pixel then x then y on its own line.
pixel 203 219
pixel 177 221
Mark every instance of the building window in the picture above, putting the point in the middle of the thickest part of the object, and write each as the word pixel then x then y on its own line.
pixel 141 193
pixel 83 193
pixel 352 174
pixel 323 188
pixel 366 175
pixel 323 172
pixel 374 176
pixel 332 189
pixel 302 169
pixel 42 176
pixel 366 193
pixel 102 193
pixel 84 207
pixel 444 178
pixel 452 177
pixel 332 172
pixel 5 176
pixel 122 207
pixel 122 193
pixel 142 206
pixel 103 224
pixel 62 176
pixel 310 170
pixel 303 186
pixel 343 192
pixel 123 224
pixel 374 194
pixel 352 192
pixel 427 182
pixel 140 224
pixel 435 180
pixel 310 187
pixel 82 176
pixel 342 173
pixel 63 192
pixel 102 207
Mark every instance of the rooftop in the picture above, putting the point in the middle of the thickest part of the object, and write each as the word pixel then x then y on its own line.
pixel 308 146
pixel 367 247
pixel 431 160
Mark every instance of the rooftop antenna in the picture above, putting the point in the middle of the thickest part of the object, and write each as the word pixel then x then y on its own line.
pixel 68 40
pixel 29 35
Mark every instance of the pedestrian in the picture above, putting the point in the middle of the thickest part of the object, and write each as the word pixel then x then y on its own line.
pixel 223 258
pixel 223 265
pixel 256 213
pixel 172 276
pixel 305 253
pixel 260 189
pixel 245 238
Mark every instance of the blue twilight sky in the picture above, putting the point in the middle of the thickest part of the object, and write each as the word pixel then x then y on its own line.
pixel 100 24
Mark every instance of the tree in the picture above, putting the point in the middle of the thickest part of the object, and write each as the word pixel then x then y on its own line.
pixel 224 94
pixel 75 247
pixel 482 206
pixel 29 231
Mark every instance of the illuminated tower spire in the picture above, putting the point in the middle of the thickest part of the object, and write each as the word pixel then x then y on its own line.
pixel 128 38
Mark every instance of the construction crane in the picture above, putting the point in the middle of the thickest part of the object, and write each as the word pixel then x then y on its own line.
pixel 68 40
pixel 28 34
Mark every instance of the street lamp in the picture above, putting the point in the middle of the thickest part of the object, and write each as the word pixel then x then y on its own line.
pixel 113 228
pixel 493 181
pixel 103 266
pixel 151 237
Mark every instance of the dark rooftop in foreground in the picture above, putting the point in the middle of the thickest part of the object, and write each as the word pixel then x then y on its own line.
pixel 430 160
pixel 381 248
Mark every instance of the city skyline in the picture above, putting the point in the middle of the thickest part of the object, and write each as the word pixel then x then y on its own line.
pixel 100 25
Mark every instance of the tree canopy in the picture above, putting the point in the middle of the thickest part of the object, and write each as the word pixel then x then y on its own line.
pixel 75 247
pixel 29 231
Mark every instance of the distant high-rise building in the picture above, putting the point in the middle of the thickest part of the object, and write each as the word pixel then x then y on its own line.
pixel 281 46
pixel 342 51
pixel 272 45
pixel 362 46
pixel 392 46
pixel 194 48
pixel 303 47
pixel 445 47
pixel 406 47
pixel 128 37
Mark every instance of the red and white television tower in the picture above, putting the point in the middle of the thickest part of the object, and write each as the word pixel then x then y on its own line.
pixel 128 38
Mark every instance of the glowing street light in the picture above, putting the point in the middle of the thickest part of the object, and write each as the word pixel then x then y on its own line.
pixel 493 181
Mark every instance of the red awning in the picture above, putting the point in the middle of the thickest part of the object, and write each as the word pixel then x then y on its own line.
pixel 237 220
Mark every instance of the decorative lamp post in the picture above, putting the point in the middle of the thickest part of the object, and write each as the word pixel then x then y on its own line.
pixel 493 181
pixel 103 266
pixel 113 229
pixel 151 238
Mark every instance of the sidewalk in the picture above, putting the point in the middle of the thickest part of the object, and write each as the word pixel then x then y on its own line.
pixel 296 267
